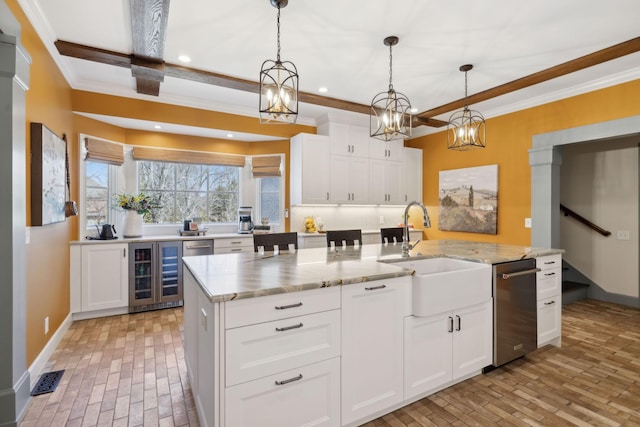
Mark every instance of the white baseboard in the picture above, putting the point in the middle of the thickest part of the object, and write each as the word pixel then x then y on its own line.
pixel 35 370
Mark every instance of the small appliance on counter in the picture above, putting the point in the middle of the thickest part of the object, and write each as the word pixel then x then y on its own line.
pixel 245 220
pixel 107 232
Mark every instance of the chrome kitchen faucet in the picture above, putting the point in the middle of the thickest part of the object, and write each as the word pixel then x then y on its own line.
pixel 406 245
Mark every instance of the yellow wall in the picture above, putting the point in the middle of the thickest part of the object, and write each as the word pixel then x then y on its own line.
pixel 51 101
pixel 508 141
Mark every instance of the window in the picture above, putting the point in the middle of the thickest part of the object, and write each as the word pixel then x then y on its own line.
pixel 96 193
pixel 187 191
pixel 269 191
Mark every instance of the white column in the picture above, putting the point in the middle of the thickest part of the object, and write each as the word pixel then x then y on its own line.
pixel 14 82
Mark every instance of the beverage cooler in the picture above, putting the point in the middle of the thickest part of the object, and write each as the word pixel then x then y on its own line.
pixel 155 275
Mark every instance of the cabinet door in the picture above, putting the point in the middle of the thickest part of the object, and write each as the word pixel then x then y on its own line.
pixel 359 180
pixel 207 360
pixel 340 176
pixel 310 168
pixel 372 346
pixel 394 179
pixel 427 353
pixel 142 274
pixel 472 339
pixel 104 276
pixel 412 174
pixel 549 319
pixel 190 326
pixel 306 396
pixel 169 271
pixel 386 150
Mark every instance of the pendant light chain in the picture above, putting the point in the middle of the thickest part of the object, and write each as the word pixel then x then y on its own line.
pixel 278 56
pixel 466 104
pixel 390 67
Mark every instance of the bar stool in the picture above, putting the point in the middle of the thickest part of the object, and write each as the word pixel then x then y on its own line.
pixel 392 235
pixel 281 240
pixel 349 237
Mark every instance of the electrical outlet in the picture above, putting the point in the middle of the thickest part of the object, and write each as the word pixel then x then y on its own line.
pixel 623 235
pixel 46 325
pixel 381 219
pixel 527 223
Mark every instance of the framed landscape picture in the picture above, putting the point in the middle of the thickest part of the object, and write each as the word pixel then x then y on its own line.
pixel 469 200
pixel 48 176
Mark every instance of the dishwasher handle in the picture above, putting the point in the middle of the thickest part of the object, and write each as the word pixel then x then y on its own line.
pixel 506 276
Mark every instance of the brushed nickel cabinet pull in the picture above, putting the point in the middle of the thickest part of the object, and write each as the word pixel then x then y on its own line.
pixel 549 274
pixel 549 262
pixel 373 288
pixel 549 303
pixel 287 328
pixel 236 250
pixel 290 380
pixel 284 307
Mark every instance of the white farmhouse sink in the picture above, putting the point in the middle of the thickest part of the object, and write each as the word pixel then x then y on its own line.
pixel 444 284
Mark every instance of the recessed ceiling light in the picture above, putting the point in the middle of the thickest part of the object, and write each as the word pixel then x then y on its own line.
pixel 229 135
pixel 414 110
pixel 184 58
pixel 157 127
pixel 323 90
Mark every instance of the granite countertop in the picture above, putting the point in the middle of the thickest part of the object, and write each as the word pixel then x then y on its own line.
pixel 159 237
pixel 227 277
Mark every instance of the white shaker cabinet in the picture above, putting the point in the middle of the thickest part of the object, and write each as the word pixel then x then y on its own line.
pixel 310 169
pixel 103 276
pixel 386 150
pixel 412 174
pixel 372 346
pixel 387 182
pixel 349 179
pixel 445 348
pixel 549 299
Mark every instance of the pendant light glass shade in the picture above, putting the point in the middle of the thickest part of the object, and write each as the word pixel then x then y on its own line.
pixel 466 128
pixel 278 85
pixel 390 115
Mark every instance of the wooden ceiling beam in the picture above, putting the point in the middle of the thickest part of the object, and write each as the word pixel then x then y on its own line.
pixel 595 58
pixel 148 29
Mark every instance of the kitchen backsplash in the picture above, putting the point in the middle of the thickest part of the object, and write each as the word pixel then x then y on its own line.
pixel 347 217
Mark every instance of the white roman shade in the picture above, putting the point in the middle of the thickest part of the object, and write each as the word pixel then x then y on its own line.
pixel 104 151
pixel 187 156
pixel 265 166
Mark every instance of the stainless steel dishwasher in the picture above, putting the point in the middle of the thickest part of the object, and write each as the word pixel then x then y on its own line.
pixel 197 247
pixel 515 330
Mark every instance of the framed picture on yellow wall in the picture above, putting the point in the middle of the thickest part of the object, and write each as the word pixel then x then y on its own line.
pixel 469 200
pixel 48 176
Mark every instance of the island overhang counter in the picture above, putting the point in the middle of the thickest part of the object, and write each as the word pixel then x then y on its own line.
pixel 324 336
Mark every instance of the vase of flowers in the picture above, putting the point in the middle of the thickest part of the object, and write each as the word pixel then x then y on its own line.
pixel 135 207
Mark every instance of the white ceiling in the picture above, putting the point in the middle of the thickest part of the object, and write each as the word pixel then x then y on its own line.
pixel 339 44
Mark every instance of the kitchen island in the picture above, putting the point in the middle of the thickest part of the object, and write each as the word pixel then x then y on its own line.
pixel 319 335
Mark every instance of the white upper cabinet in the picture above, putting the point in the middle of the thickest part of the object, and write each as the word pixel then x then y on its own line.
pixel 310 169
pixel 386 150
pixel 412 164
pixel 349 140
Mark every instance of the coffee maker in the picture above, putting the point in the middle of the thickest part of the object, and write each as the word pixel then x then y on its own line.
pixel 245 220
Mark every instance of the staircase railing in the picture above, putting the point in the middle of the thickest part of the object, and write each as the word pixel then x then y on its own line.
pixel 591 225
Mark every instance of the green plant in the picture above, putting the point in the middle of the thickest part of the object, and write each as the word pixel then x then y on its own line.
pixel 142 203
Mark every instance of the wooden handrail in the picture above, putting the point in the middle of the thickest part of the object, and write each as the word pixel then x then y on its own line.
pixel 569 212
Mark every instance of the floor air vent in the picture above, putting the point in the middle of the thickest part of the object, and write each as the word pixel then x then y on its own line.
pixel 47 383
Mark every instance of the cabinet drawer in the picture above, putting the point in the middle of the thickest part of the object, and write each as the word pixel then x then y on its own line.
pixel 268 348
pixel 308 396
pixel 232 243
pixel 548 283
pixel 280 306
pixel 233 250
pixel 549 319
pixel 549 262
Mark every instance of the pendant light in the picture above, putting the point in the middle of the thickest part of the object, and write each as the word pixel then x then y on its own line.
pixel 278 85
pixel 390 116
pixel 466 128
